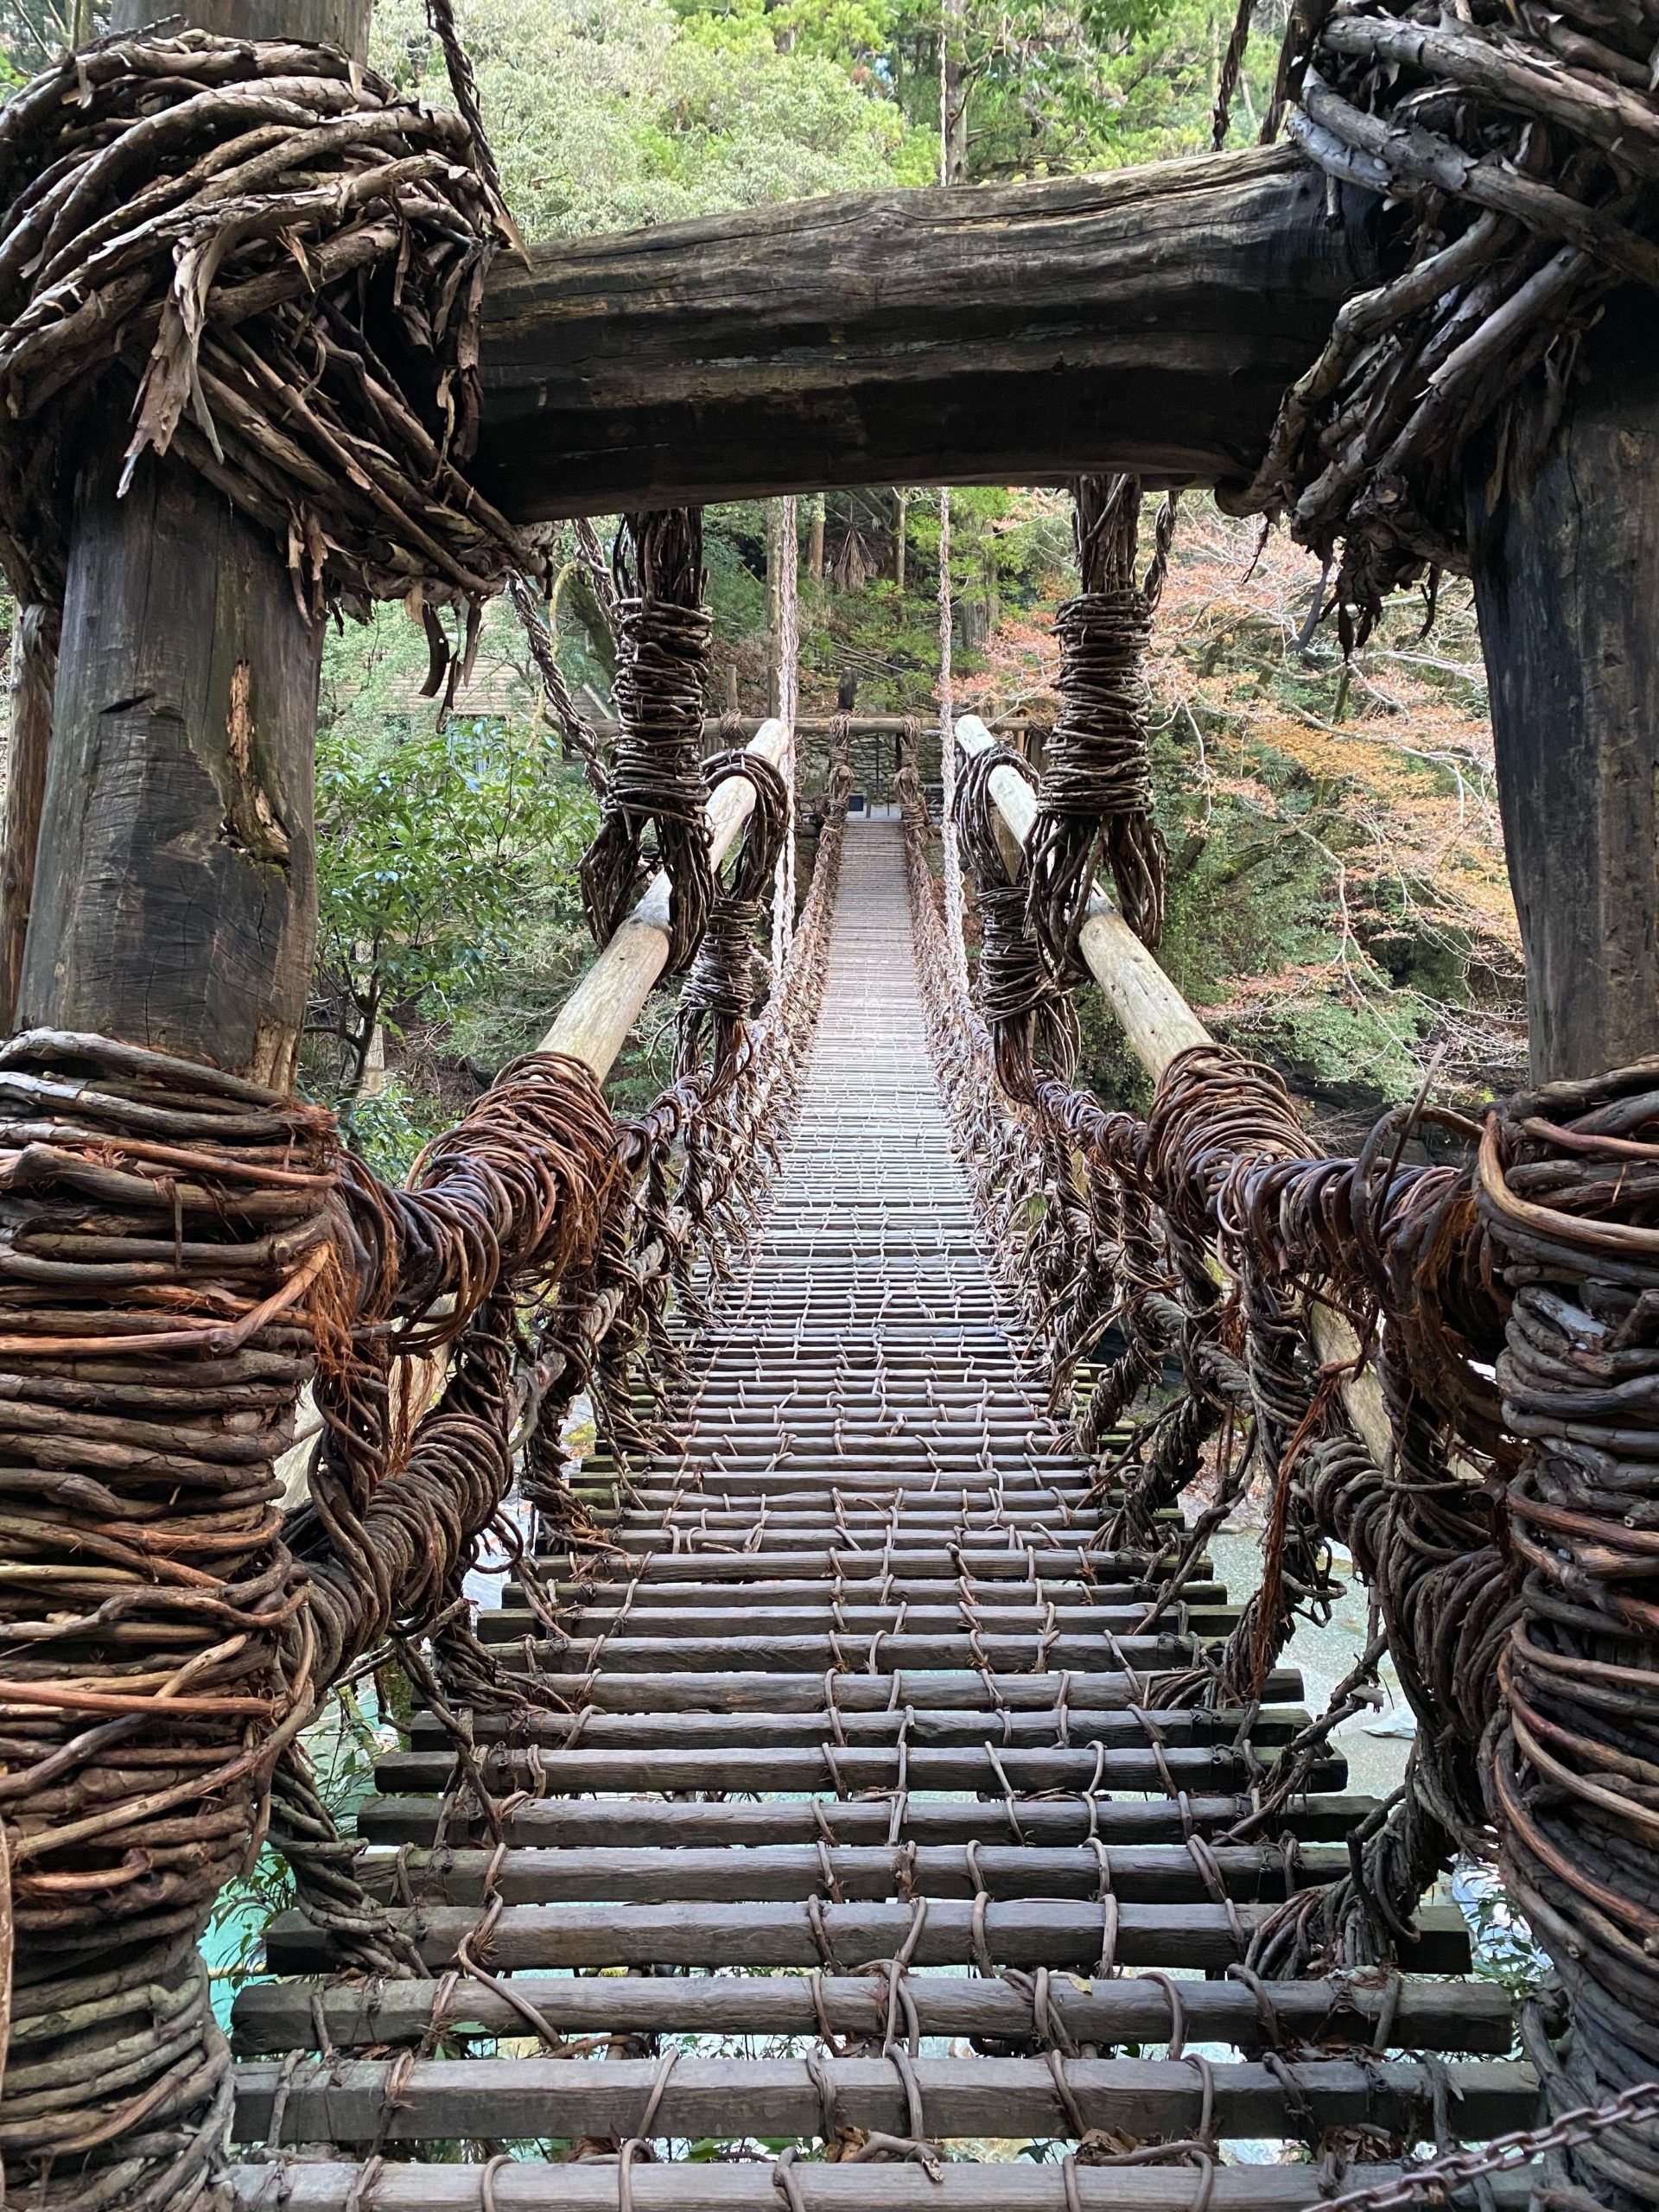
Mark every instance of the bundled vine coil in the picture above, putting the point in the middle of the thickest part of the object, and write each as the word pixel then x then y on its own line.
pixel 1569 1195
pixel 656 780
pixel 1032 1019
pixel 168 1249
pixel 1095 801
pixel 1523 141
pixel 722 989
pixel 286 259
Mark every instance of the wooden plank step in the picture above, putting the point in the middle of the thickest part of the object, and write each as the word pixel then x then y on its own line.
pixel 626 1822
pixel 812 1561
pixel 958 1690
pixel 1207 1769
pixel 881 1654
pixel 1021 1933
pixel 926 1603
pixel 776 1873
pixel 530 2185
pixel 1466 2016
pixel 927 1729
pixel 724 1617
pixel 346 2101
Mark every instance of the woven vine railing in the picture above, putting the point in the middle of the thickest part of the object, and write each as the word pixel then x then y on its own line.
pixel 1170 1267
pixel 184 1252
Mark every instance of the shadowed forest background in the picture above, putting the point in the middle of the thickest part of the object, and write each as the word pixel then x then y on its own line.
pixel 1338 903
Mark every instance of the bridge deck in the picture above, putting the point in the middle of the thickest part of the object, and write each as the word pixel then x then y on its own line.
pixel 858 1696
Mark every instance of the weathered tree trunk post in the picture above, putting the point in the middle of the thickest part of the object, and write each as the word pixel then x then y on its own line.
pixel 953 92
pixel 815 543
pixel 1564 525
pixel 901 532
pixel 173 904
pixel 34 680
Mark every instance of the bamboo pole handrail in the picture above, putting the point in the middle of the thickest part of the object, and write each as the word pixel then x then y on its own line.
pixel 594 1022
pixel 1158 1024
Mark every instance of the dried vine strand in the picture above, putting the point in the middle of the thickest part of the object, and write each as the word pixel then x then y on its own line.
pixel 1094 800
pixel 655 782
pixel 287 261
pixel 1523 143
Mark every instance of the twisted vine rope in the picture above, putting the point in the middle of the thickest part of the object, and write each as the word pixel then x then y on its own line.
pixel 655 781
pixel 1094 800
pixel 185 1250
pixel 1030 1019
pixel 1522 144
pixel 722 990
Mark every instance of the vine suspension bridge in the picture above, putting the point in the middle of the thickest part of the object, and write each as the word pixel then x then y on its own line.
pixel 864 1774
pixel 861 1757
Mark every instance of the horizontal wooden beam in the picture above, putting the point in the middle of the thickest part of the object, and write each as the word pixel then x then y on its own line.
pixel 1147 319
pixel 557 1823
pixel 356 2100
pixel 1022 1769
pixel 1027 1932
pixel 272 2015
pixel 1145 1873
pixel 962 2186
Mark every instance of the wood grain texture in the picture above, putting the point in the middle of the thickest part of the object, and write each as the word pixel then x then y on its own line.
pixel 550 1823
pixel 345 2100
pixel 1146 319
pixel 34 680
pixel 175 902
pixel 1566 550
pixel 1029 1932
pixel 332 22
pixel 1433 2016
pixel 530 2186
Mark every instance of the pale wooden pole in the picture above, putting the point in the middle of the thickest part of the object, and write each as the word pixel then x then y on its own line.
pixel 1158 1024
pixel 595 1020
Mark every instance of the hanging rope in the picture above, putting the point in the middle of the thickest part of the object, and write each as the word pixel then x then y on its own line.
pixel 1033 1020
pixel 956 947
pixel 656 782
pixel 723 989
pixel 1094 800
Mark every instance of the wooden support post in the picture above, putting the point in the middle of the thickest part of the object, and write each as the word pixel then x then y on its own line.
pixel 33 680
pixel 1566 546
pixel 174 898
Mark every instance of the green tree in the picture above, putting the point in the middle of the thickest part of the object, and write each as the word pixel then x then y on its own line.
pixel 444 853
pixel 609 113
